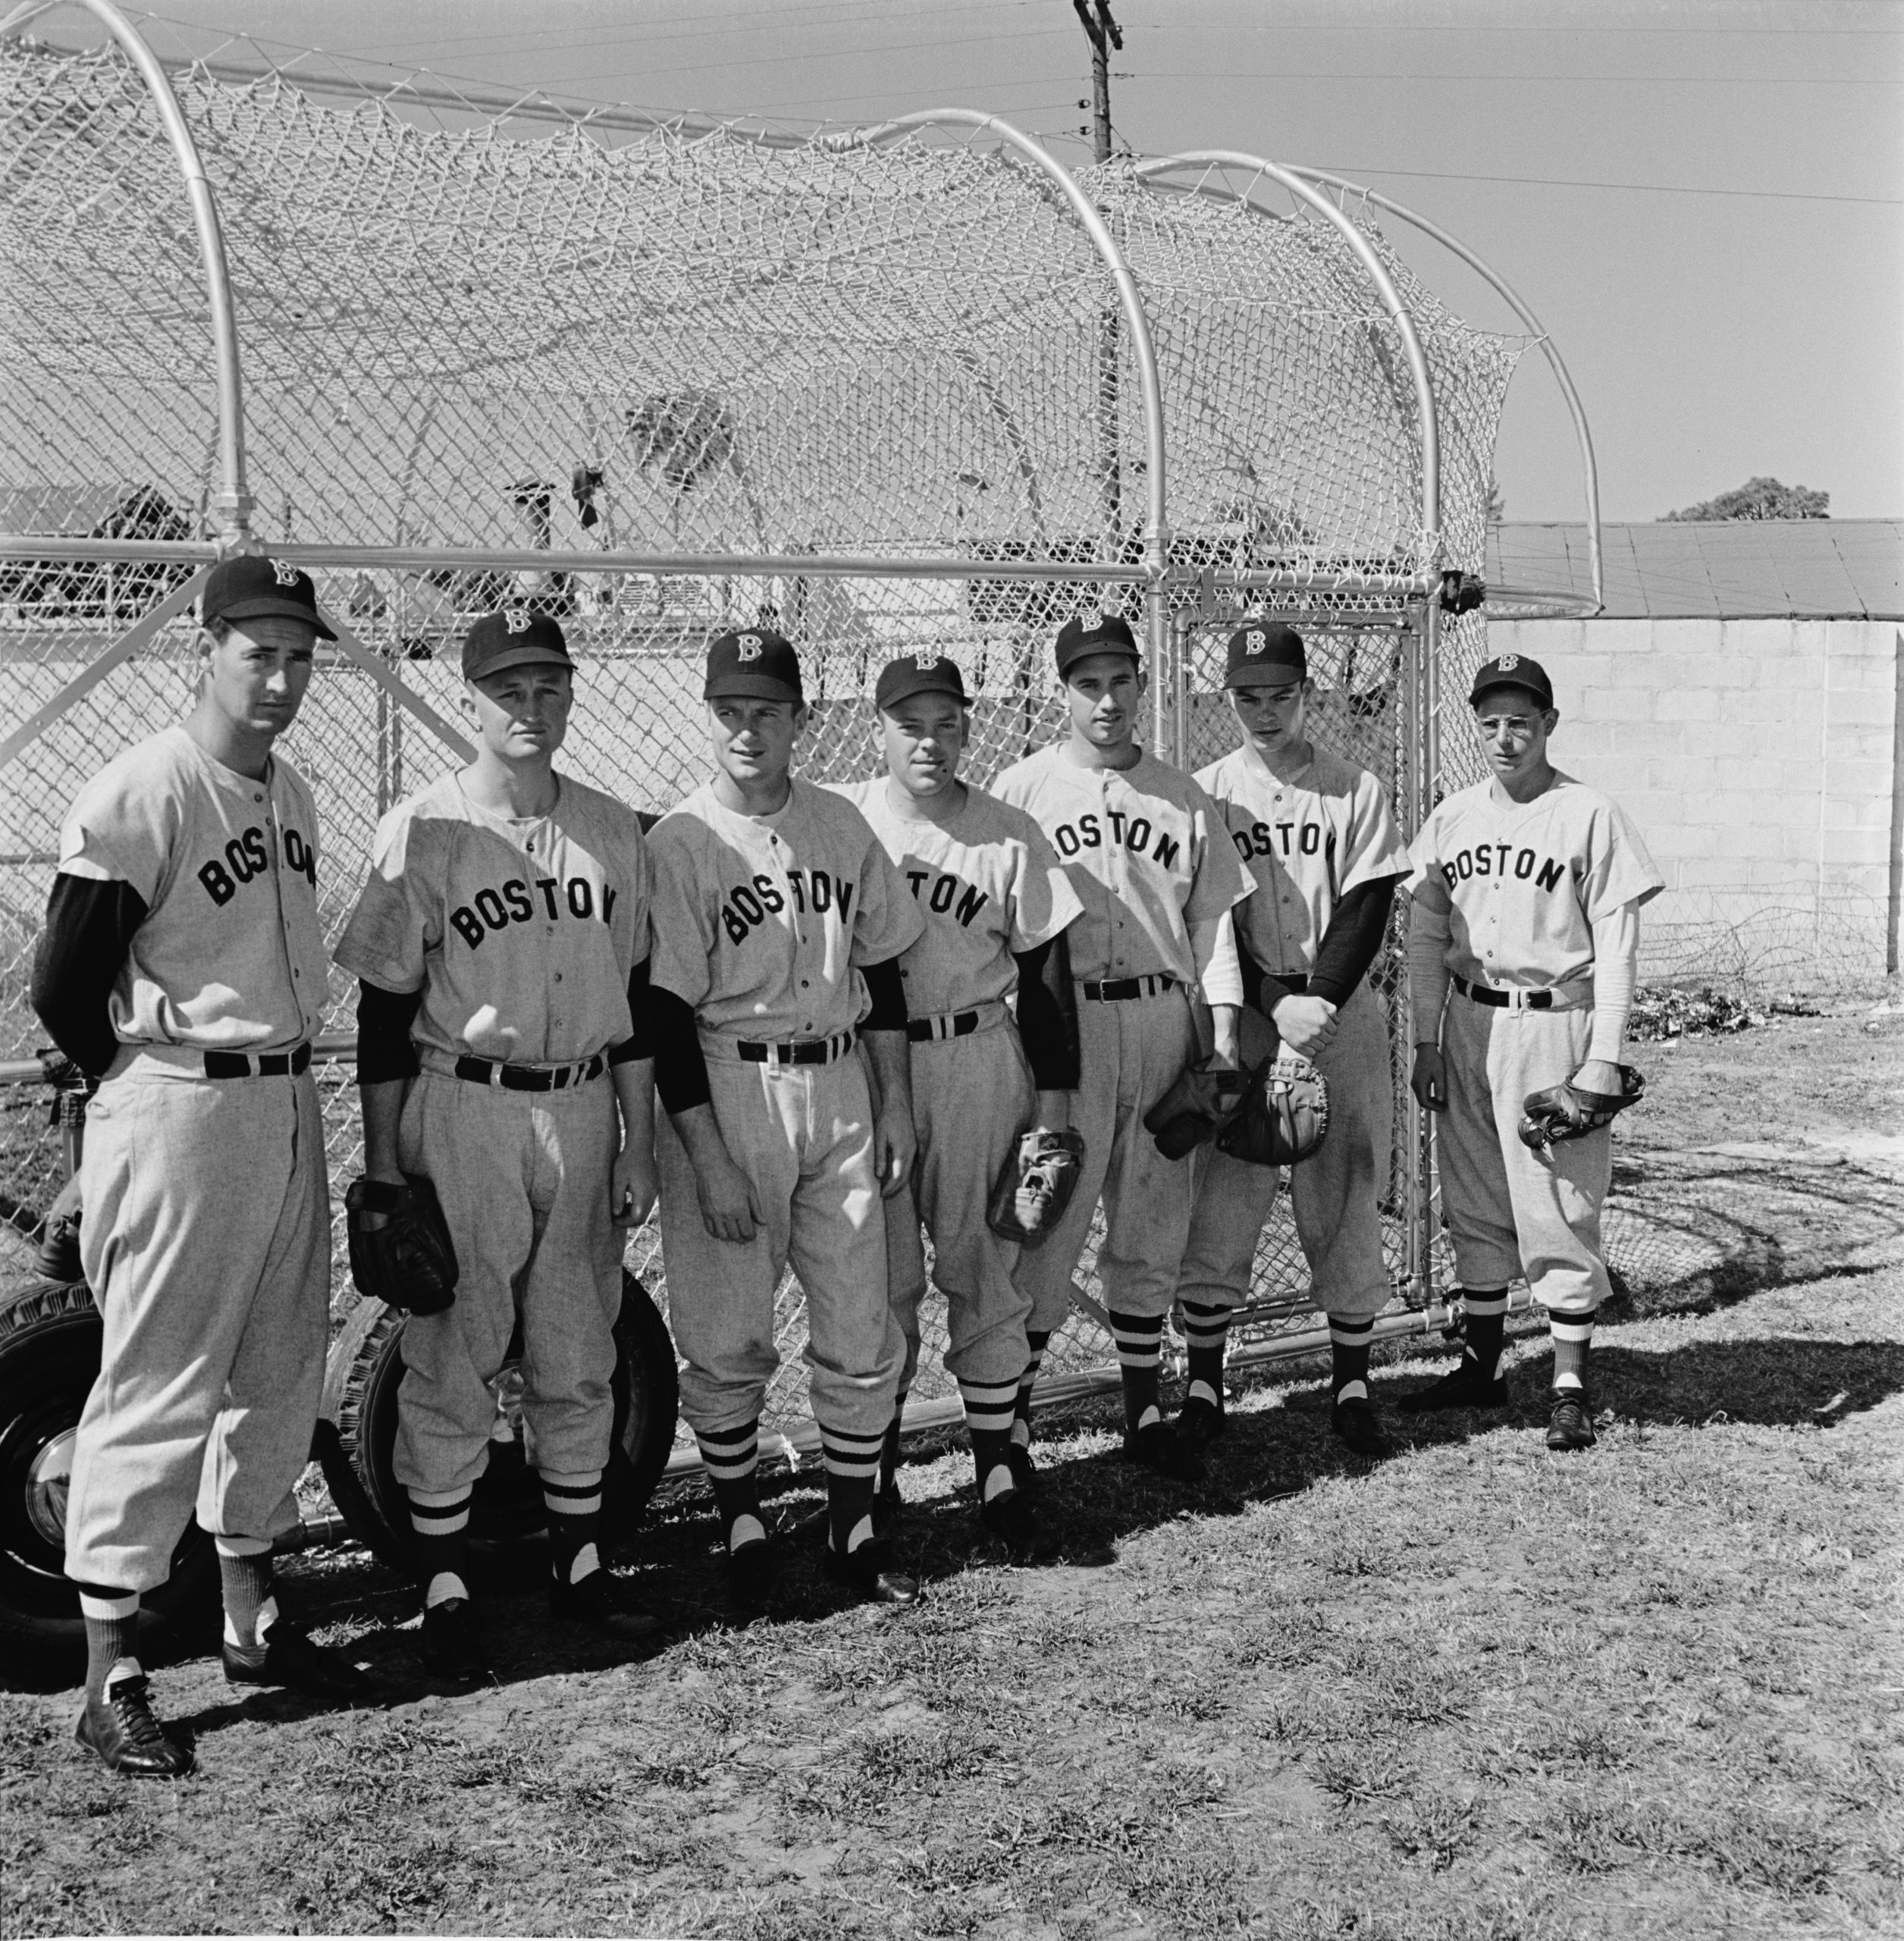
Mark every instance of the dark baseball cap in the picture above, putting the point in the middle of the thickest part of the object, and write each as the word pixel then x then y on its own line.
pixel 919 674
pixel 517 637
pixel 1513 670
pixel 1095 631
pixel 754 663
pixel 1266 653
pixel 248 586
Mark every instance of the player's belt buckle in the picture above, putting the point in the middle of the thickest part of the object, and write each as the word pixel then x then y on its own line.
pixel 1114 990
pixel 258 1065
pixel 797 1051
pixel 948 1024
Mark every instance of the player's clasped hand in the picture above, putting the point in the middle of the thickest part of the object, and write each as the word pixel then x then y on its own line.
pixel 1307 1024
pixel 1429 1080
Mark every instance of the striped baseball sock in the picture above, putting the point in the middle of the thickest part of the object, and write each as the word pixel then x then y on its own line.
pixel 1035 1340
pixel 889 1476
pixel 852 1462
pixel 731 1458
pixel 1206 1334
pixel 1350 1339
pixel 1140 1360
pixel 112 1619
pixel 244 1577
pixel 1573 1336
pixel 440 1519
pixel 574 1504
pixel 991 1410
pixel 1484 1330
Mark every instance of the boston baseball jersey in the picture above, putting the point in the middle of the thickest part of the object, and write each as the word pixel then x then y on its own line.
pixel 987 884
pixel 1528 880
pixel 762 922
pixel 1306 843
pixel 231 955
pixel 1144 850
pixel 520 933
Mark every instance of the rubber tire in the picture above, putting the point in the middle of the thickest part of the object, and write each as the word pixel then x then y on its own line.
pixel 50 1334
pixel 365 1373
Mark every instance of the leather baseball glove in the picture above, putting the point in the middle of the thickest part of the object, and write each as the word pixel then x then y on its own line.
pixel 409 1261
pixel 1283 1116
pixel 1196 1107
pixel 1566 1112
pixel 1035 1186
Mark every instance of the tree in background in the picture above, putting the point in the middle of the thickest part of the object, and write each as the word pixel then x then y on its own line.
pixel 1762 498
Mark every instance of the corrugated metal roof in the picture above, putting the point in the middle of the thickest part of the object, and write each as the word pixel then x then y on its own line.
pixel 1728 570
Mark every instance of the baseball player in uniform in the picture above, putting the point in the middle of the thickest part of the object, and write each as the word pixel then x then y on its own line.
pixel 182 966
pixel 1316 835
pixel 1148 855
pixel 779 924
pixel 1523 947
pixel 996 902
pixel 501 945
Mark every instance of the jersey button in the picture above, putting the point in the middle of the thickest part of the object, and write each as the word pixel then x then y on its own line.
pixel 558 976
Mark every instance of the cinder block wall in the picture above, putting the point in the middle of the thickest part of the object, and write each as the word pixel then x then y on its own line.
pixel 1758 757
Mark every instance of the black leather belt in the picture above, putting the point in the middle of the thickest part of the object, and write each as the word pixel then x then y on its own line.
pixel 1114 990
pixel 531 1077
pixel 258 1065
pixel 924 1030
pixel 797 1051
pixel 1505 1000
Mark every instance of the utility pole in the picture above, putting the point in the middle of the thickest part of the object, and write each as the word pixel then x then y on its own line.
pixel 1104 34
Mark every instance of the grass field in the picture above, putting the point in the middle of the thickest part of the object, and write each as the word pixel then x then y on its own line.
pixel 1471 1691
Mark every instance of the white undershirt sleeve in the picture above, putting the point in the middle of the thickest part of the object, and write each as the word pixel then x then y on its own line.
pixel 1212 943
pixel 1616 972
pixel 1429 931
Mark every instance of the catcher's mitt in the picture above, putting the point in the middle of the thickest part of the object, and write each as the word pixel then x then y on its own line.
pixel 1566 1112
pixel 1283 1115
pixel 1196 1107
pixel 409 1262
pixel 1035 1186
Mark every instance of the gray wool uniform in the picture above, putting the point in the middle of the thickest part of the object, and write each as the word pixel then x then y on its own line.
pixel 206 1237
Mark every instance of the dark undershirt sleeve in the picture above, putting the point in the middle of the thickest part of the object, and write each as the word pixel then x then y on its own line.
pixel 1354 936
pixel 680 1065
pixel 385 1054
pixel 887 990
pixel 640 1042
pixel 89 927
pixel 1048 1015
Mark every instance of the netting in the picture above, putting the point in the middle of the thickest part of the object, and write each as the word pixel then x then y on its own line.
pixel 699 345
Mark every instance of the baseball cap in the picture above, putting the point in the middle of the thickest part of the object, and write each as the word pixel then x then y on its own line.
pixel 248 586
pixel 919 674
pixel 757 664
pixel 517 637
pixel 1266 653
pixel 1513 670
pixel 1095 631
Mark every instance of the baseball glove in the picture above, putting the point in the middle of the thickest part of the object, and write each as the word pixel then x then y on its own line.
pixel 1566 1112
pixel 1196 1107
pixel 409 1262
pixel 1283 1116
pixel 1035 1186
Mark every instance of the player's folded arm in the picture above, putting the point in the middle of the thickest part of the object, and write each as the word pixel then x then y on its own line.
pixel 1048 1015
pixel 1351 940
pixel 90 921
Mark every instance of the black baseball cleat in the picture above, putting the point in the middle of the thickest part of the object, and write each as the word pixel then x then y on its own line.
pixel 287 1657
pixel 1570 1424
pixel 1157 1447
pixel 1356 1426
pixel 120 1729
pixel 1025 1478
pixel 603 1605
pixel 1464 1387
pixel 1200 1423
pixel 1013 1519
pixel 868 1571
pixel 753 1572
pixel 453 1647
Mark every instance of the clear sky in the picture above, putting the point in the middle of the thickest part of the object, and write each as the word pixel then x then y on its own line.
pixel 1702 199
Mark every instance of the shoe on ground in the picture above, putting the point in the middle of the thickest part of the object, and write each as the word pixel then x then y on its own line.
pixel 868 1571
pixel 453 1646
pixel 288 1658
pixel 1157 1447
pixel 120 1729
pixel 753 1572
pixel 1466 1387
pixel 1200 1423
pixel 1013 1519
pixel 603 1604
pixel 1358 1426
pixel 1570 1424
pixel 1025 1478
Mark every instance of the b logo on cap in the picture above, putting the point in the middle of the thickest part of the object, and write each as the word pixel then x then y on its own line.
pixel 925 663
pixel 515 619
pixel 1508 662
pixel 284 572
pixel 1255 643
pixel 750 647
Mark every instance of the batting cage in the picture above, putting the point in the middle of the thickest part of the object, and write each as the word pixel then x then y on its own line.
pixel 912 388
